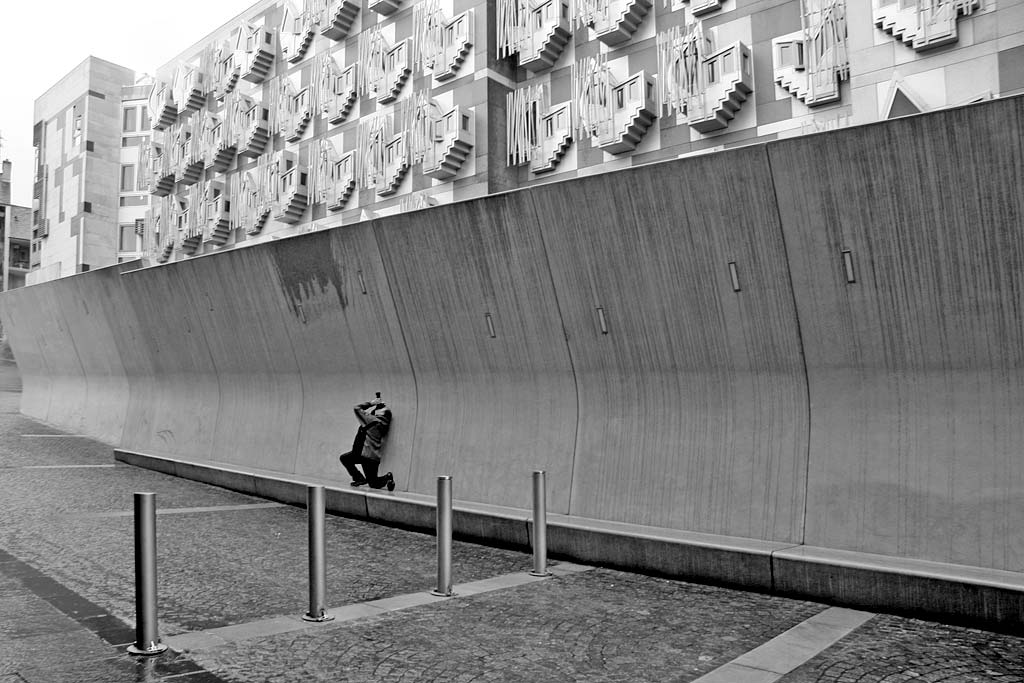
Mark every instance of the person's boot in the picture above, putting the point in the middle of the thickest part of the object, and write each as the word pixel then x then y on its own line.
pixel 391 481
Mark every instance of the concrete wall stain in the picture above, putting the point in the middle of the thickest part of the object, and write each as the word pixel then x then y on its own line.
pixel 306 273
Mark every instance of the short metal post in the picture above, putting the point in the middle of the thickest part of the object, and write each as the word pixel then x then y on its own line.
pixel 147 633
pixel 540 526
pixel 317 558
pixel 444 538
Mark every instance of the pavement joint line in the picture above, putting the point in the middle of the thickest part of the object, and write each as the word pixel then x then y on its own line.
pixel 183 511
pixel 56 436
pixel 271 626
pixel 772 660
pixel 52 467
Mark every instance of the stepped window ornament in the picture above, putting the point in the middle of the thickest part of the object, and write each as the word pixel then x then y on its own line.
pixel 383 68
pixel 256 194
pixel 923 24
pixel 217 212
pixel 334 17
pixel 221 139
pixel 254 129
pixel 163 111
pixel 614 21
pixel 536 32
pixel 333 177
pixel 439 43
pixel 292 189
pixel 296 32
pixel 189 87
pixel 226 66
pixel 384 7
pixel 536 131
pixel 616 115
pixel 451 136
pixel 810 63
pixel 337 89
pixel 159 171
pixel 189 219
pixel 187 151
pixel 256 47
pixel 294 108
pixel 702 84
pixel 383 154
pixel 159 218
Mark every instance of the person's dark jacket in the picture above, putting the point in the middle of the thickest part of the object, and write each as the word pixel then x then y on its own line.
pixel 375 426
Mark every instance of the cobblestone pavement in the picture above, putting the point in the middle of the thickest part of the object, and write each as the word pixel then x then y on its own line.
pixel 67 597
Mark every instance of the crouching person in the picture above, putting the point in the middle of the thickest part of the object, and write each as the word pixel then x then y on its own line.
pixel 374 422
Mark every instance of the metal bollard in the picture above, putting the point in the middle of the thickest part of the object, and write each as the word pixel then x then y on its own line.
pixel 317 558
pixel 540 526
pixel 444 538
pixel 147 633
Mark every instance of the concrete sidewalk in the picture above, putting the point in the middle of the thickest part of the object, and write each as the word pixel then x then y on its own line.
pixel 232 582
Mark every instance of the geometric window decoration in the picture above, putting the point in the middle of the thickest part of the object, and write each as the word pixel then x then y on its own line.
pixel 810 63
pixel 336 89
pixel 614 21
pixel 296 32
pixel 923 24
pixel 617 115
pixel 703 84
pixel 535 31
pixel 335 17
pixel 334 176
pixel 440 44
pixel 537 132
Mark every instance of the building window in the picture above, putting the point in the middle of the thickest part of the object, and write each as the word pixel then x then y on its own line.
pixel 129 125
pixel 128 238
pixel 87 207
pixel 143 118
pixel 127 177
pixel 133 140
pixel 89 147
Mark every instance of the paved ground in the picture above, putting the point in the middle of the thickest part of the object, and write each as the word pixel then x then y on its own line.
pixel 233 585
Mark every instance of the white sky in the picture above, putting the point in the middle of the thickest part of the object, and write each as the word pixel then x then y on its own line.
pixel 42 40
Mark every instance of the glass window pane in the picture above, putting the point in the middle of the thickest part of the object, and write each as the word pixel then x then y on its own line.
pixel 129 120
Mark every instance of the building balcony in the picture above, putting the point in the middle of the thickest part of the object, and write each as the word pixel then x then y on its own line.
pixel 699 8
pixel 296 35
pixel 218 216
pixel 812 86
pixel 453 139
pixel 165 250
pixel 546 35
pixel 300 113
pixel 189 89
pixel 257 54
pixel 728 82
pixel 162 109
pixel 397 72
pixel 220 150
pixel 226 70
pixel 457 40
pixel 384 7
pixel 621 20
pixel 255 131
pixel 338 18
pixel 555 137
pixel 633 110
pixel 343 98
pixel 396 166
pixel 920 27
pixel 292 191
pixel 344 183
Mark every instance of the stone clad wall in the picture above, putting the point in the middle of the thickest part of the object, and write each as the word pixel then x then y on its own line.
pixel 593 329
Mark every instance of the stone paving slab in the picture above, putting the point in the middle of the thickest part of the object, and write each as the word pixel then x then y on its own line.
pixel 894 649
pixel 600 625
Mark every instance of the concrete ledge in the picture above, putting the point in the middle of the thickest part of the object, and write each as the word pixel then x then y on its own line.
pixel 972 596
pixel 945 592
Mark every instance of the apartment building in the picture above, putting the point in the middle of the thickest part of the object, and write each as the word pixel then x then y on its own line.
pixel 319 113
pixel 15 234
pixel 89 197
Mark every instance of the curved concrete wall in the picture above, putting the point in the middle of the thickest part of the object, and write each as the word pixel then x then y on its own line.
pixel 876 416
